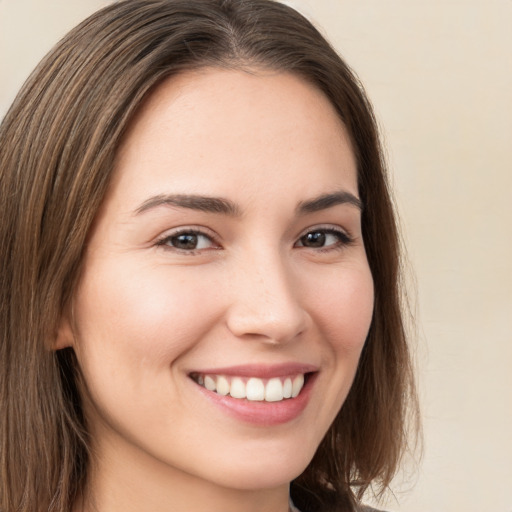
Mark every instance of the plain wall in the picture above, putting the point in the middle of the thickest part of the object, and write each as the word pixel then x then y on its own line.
pixel 440 76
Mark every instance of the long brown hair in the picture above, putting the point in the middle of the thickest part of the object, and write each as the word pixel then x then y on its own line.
pixel 57 147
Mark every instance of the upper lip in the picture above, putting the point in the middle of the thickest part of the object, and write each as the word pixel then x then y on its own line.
pixel 263 371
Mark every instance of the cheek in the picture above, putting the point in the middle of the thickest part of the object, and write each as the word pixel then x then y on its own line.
pixel 345 309
pixel 150 317
pixel 342 310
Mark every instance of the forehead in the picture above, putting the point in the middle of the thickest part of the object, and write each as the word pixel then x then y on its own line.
pixel 201 127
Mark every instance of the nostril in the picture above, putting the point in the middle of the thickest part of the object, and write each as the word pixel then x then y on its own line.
pixel 274 325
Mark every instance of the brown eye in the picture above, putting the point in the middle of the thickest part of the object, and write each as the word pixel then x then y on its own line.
pixel 187 241
pixel 313 239
pixel 324 238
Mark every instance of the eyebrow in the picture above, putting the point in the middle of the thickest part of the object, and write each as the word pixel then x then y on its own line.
pixel 226 207
pixel 326 201
pixel 193 202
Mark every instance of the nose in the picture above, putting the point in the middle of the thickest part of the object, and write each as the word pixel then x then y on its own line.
pixel 265 301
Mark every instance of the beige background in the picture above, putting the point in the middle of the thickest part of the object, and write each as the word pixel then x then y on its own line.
pixel 440 76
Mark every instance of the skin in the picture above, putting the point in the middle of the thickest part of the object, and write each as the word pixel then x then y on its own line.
pixel 253 290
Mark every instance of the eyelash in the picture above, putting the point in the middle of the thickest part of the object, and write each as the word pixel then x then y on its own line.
pixel 343 240
pixel 164 242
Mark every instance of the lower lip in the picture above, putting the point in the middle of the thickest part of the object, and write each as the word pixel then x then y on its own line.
pixel 262 413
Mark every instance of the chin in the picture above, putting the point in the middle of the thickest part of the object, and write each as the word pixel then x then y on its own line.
pixel 262 472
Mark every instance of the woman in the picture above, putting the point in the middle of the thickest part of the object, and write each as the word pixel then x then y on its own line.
pixel 200 287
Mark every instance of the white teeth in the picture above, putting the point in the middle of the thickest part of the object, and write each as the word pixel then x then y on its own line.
pixel 237 388
pixel 274 390
pixel 298 382
pixel 222 386
pixel 209 383
pixel 287 388
pixel 254 389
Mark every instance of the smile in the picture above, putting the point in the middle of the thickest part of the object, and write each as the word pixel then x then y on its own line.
pixel 275 389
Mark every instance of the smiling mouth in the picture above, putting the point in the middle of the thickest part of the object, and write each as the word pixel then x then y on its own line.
pixel 255 389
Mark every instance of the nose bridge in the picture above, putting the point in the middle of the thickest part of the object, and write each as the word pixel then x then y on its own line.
pixel 265 300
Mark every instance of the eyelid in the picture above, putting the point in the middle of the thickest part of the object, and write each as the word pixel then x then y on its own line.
pixel 195 230
pixel 346 237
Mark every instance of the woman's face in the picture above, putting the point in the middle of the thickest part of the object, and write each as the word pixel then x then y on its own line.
pixel 227 259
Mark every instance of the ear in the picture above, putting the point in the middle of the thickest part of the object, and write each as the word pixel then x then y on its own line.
pixel 64 337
